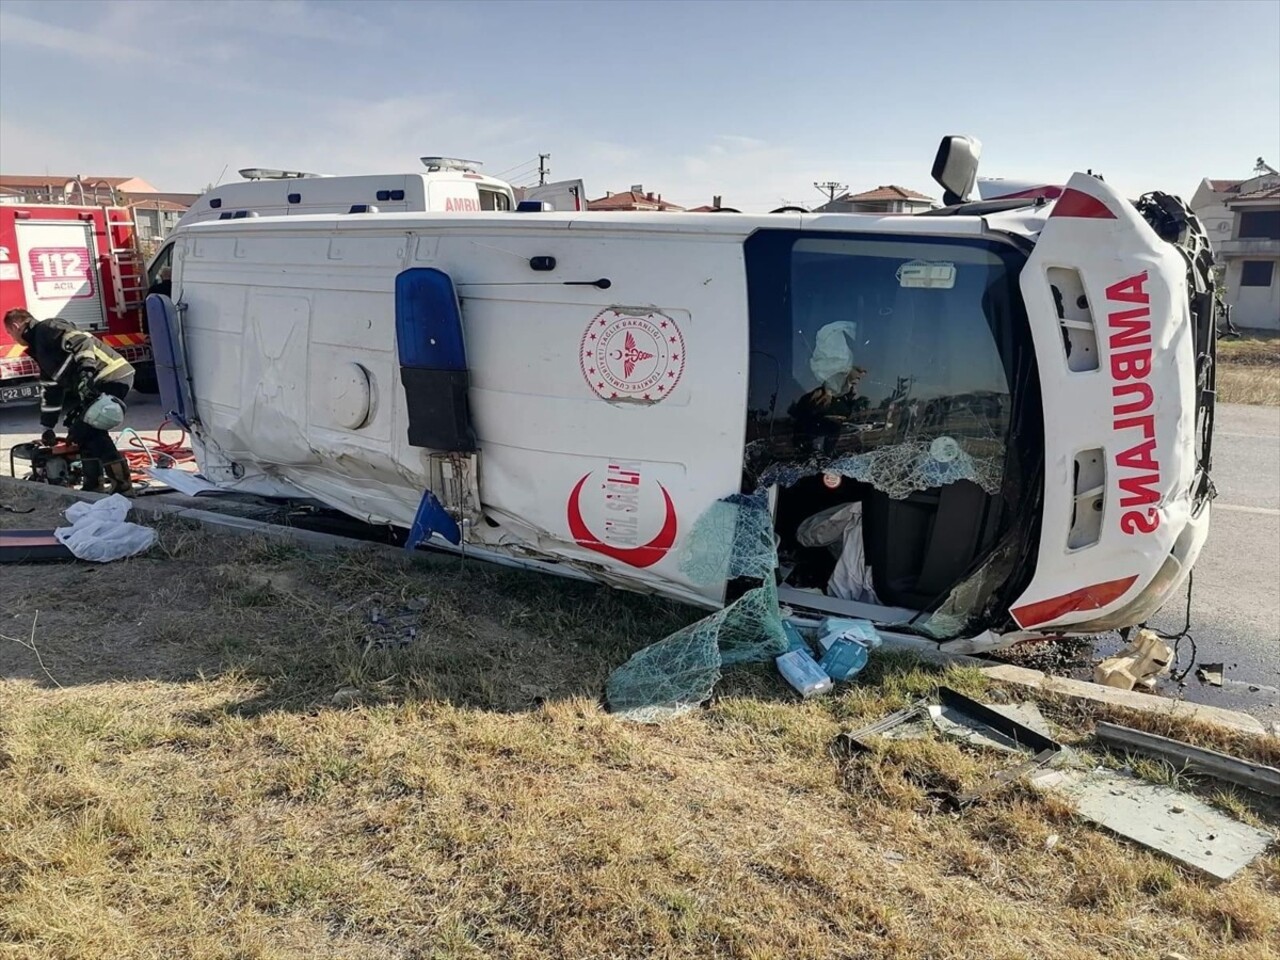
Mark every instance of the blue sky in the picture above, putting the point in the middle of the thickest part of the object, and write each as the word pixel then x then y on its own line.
pixel 751 100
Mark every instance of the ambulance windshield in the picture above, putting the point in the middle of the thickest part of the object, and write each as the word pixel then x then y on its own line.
pixel 881 359
pixel 893 397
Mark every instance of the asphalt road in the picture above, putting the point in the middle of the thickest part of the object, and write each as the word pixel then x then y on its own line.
pixel 1235 610
pixel 20 424
pixel 1235 602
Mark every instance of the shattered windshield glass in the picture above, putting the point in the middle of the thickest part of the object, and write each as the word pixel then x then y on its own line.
pixel 879 360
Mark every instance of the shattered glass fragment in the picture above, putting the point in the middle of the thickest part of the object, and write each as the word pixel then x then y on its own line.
pixel 900 469
pixel 970 596
pixel 753 632
pixel 668 678
pixel 732 539
pixel 708 547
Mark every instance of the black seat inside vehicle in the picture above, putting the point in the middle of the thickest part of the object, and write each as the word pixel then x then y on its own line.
pixel 919 548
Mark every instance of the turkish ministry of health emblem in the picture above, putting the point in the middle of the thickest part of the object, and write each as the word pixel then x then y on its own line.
pixel 627 356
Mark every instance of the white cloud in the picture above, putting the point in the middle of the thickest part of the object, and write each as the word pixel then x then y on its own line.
pixel 218 95
pixel 16 29
pixel 327 135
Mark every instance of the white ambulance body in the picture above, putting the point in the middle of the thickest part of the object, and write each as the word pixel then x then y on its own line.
pixel 446 185
pixel 1019 397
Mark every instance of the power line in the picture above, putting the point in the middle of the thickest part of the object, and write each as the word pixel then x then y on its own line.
pixel 517 169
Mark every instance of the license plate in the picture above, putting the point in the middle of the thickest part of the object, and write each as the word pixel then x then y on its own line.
pixel 19 393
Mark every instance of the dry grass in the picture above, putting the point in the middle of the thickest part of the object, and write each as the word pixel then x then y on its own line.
pixel 194 791
pixel 1249 368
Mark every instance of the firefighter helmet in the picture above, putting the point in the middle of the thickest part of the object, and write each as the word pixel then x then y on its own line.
pixel 105 413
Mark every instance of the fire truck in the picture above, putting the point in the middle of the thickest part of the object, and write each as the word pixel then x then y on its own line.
pixel 80 263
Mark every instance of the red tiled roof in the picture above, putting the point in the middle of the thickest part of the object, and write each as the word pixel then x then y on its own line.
pixel 629 200
pixel 33 180
pixel 882 192
pixel 1272 193
pixel 1225 186
pixel 160 205
pixel 179 200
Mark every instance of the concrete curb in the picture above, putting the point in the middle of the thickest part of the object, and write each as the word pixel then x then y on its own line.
pixel 1129 699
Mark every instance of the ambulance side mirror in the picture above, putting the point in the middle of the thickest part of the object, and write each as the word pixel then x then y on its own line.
pixel 955 168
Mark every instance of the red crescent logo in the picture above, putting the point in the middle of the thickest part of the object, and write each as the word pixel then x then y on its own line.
pixel 645 555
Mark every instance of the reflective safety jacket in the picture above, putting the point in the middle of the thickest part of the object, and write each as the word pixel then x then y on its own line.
pixel 74 365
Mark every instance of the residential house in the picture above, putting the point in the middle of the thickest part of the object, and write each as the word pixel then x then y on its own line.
pixel 1251 258
pixel 711 207
pixel 33 188
pixel 882 200
pixel 155 212
pixel 1209 203
pixel 634 199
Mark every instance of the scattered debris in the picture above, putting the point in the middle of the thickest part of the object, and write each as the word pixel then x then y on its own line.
pixel 804 674
pixel 185 482
pixel 844 659
pixel 1210 673
pixel 978 724
pixel 388 631
pixel 831 629
pixel 848 743
pixel 1054 654
pixel 346 696
pixel 1160 817
pixel 1184 756
pixel 1144 812
pixel 957 724
pixel 12 509
pixel 1138 664
pixel 1014 731
pixel 1006 721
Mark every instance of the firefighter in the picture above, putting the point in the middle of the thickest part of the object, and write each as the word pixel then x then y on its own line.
pixel 88 381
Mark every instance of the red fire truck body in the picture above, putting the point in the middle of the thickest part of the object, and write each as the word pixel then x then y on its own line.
pixel 80 263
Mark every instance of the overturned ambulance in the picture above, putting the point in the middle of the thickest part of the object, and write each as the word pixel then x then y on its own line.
pixel 983 423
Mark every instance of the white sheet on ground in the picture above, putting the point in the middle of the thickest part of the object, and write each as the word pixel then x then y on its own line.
pixel 840 528
pixel 100 533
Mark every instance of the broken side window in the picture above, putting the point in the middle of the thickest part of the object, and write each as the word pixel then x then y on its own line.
pixel 888 371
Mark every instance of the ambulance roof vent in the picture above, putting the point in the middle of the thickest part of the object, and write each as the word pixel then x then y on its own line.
pixel 265 173
pixel 435 164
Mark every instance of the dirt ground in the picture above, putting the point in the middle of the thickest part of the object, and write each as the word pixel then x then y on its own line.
pixel 199 603
pixel 1249 368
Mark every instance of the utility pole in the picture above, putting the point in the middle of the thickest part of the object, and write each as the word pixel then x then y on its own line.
pixel 830 188
pixel 543 169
